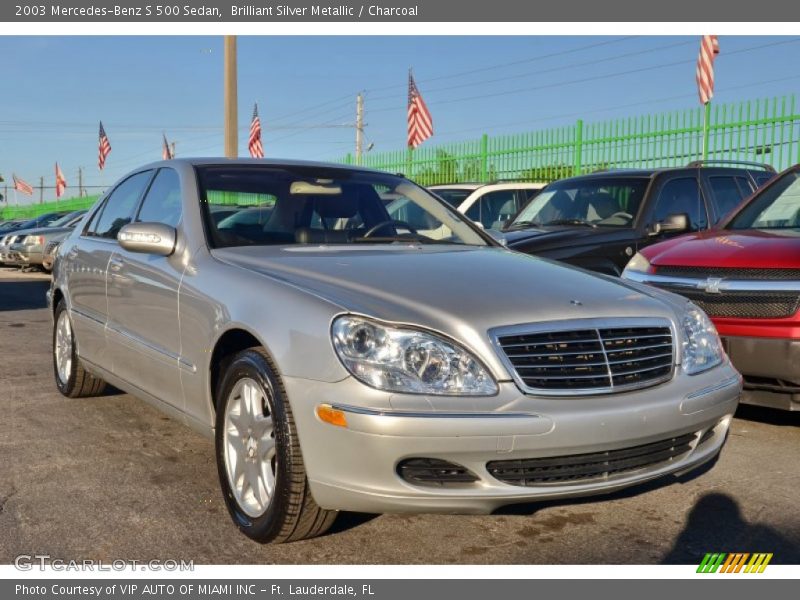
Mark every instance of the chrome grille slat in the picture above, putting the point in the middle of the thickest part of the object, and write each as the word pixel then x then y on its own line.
pixel 589 360
pixel 557 342
pixel 647 357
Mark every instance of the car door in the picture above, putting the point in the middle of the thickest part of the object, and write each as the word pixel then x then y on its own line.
pixel 87 261
pixel 143 331
pixel 677 194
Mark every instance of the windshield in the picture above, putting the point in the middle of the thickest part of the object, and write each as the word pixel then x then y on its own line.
pixel 776 207
pixel 454 197
pixel 599 202
pixel 321 205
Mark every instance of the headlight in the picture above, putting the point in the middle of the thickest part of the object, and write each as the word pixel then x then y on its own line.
pixel 638 264
pixel 702 348
pixel 408 360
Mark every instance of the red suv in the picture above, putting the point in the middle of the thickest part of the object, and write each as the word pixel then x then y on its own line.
pixel 745 273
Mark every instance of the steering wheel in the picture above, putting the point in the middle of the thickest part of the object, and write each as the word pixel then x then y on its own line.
pixel 620 214
pixel 384 224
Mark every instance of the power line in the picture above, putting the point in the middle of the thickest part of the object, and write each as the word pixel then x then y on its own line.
pixel 586 79
pixel 553 69
pixel 512 63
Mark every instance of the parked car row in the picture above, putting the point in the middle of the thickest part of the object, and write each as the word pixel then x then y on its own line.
pixel 344 358
pixel 25 245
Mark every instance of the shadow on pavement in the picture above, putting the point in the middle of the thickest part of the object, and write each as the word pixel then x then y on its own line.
pixel 770 416
pixel 715 524
pixel 23 295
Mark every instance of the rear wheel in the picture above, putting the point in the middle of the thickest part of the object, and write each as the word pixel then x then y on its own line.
pixel 260 465
pixel 72 379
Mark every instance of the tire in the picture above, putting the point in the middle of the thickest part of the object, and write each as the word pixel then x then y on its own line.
pixel 256 441
pixel 72 379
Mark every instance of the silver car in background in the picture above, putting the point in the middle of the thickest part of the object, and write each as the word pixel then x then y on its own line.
pixel 343 360
pixel 28 247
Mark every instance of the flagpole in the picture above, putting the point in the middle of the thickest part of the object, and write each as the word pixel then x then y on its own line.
pixel 706 129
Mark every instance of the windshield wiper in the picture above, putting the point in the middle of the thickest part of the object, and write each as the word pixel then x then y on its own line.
pixel 521 224
pixel 571 222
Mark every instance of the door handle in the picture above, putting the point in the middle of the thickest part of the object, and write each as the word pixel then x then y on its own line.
pixel 115 264
pixel 73 252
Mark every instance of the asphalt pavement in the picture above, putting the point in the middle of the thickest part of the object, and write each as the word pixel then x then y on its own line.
pixel 111 478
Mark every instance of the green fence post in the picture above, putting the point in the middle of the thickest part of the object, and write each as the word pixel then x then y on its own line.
pixel 484 158
pixel 578 147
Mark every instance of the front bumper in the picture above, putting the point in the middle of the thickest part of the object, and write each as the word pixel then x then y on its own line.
pixel 771 370
pixel 355 468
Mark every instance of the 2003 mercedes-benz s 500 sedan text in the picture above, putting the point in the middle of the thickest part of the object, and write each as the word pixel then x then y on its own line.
pixel 344 361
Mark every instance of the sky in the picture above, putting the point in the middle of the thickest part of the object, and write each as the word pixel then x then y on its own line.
pixel 56 89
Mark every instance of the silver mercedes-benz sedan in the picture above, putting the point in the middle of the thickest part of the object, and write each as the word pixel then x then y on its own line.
pixel 343 360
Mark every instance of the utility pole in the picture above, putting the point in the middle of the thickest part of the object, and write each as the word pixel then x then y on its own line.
pixel 359 128
pixel 41 190
pixel 231 99
pixel 80 182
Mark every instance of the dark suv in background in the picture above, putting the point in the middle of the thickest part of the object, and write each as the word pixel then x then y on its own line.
pixel 600 220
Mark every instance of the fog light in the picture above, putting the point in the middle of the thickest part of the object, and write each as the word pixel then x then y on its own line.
pixel 332 416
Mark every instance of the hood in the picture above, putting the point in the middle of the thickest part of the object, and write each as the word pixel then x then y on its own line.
pixel 728 248
pixel 461 291
pixel 545 238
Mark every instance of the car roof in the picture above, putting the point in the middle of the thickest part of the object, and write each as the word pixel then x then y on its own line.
pixel 500 185
pixel 271 162
pixel 647 173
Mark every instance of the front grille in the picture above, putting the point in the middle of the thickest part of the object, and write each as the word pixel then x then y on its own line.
pixel 592 360
pixel 596 465
pixel 750 305
pixel 729 273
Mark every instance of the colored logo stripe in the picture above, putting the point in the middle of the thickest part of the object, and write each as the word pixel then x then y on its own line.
pixel 734 563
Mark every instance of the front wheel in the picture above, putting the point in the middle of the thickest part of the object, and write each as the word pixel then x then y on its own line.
pixel 259 461
pixel 72 379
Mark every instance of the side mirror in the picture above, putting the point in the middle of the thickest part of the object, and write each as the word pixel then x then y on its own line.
pixel 676 223
pixel 148 238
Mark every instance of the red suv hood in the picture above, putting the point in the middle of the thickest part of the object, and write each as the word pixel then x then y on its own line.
pixel 726 248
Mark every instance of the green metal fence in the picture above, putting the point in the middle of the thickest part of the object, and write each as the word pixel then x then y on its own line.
pixel 765 131
pixel 29 211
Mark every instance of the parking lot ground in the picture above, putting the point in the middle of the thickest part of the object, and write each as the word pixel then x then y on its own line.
pixel 112 478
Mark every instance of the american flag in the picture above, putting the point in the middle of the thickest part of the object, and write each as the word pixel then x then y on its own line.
pixel 104 148
pixel 22 186
pixel 420 123
pixel 166 150
pixel 254 142
pixel 61 183
pixel 709 48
